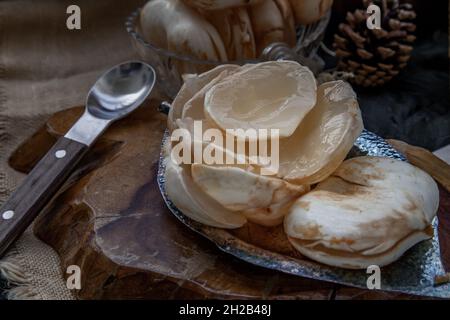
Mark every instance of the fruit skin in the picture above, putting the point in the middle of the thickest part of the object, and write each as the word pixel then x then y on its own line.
pixel 375 57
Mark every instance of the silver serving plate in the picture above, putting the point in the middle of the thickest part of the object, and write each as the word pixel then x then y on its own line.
pixel 413 273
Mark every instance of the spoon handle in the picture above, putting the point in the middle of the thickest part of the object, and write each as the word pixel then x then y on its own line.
pixel 37 189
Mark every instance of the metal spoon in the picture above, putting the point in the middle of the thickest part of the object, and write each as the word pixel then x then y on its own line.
pixel 115 94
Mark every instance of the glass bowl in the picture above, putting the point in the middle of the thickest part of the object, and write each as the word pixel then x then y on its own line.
pixel 171 66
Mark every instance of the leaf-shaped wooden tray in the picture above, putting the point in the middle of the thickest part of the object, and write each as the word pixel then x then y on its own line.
pixel 414 273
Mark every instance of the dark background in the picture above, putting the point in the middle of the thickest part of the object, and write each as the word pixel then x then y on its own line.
pixel 414 107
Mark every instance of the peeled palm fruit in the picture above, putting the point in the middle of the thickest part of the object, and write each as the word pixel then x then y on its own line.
pixel 189 106
pixel 239 190
pixel 272 21
pixel 193 202
pixel 218 4
pixel 184 115
pixel 235 29
pixel 269 95
pixel 324 137
pixel 193 84
pixel 317 129
pixel 284 6
pixel 262 199
pixel 174 26
pixel 193 108
pixel 309 11
pixel 369 212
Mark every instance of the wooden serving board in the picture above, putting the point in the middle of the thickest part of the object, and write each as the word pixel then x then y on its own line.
pixel 110 220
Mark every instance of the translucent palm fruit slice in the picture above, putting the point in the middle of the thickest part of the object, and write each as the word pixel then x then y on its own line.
pixel 193 111
pixel 324 137
pixel 370 211
pixel 268 95
pixel 193 108
pixel 175 26
pixel 211 148
pixel 193 83
pixel 190 103
pixel 259 197
pixel 193 202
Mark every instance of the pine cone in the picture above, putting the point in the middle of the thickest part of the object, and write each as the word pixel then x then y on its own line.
pixel 376 56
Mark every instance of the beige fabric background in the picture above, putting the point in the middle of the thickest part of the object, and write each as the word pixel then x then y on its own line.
pixel 44 67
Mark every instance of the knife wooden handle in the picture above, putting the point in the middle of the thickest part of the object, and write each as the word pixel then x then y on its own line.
pixel 37 189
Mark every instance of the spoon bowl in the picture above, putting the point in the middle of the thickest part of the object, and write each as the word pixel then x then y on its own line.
pixel 120 90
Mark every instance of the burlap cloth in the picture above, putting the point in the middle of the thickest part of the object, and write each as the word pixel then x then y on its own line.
pixel 44 67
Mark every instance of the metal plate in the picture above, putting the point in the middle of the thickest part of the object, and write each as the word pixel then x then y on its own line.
pixel 413 273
